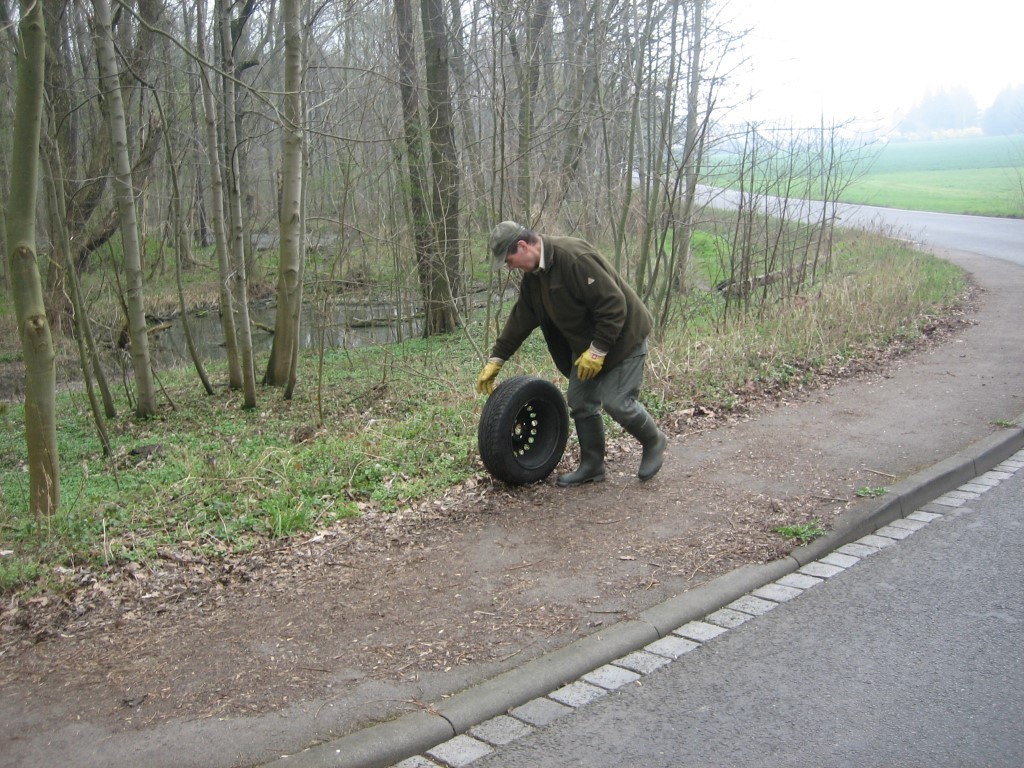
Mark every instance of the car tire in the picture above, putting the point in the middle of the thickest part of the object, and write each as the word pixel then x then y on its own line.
pixel 523 430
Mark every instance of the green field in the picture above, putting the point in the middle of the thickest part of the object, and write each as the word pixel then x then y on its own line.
pixel 977 175
pixel 981 175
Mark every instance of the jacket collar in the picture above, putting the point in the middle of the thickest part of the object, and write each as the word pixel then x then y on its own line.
pixel 543 263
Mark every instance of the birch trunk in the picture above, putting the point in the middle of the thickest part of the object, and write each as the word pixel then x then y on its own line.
pixel 26 285
pixel 124 193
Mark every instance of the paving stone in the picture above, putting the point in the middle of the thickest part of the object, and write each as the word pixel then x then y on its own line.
pixel 672 647
pixel 416 762
pixel 988 482
pixel 798 581
pixel 540 712
pixel 611 677
pixel 700 631
pixel 460 751
pixel 821 570
pixel 840 560
pixel 756 605
pixel 728 618
pixel 876 541
pixel 577 694
pixel 993 475
pixel 642 662
pixel 893 532
pixel 501 730
pixel 975 488
pixel 931 506
pixel 961 494
pixel 776 592
pixel 910 525
pixel 924 517
pixel 949 501
pixel 857 550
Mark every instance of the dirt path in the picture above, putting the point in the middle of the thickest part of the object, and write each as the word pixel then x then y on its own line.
pixel 383 615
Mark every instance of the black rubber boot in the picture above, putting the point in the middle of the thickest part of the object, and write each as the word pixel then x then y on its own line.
pixel 654 442
pixel 590 433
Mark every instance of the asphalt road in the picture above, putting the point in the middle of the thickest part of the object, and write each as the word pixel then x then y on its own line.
pixel 913 656
pixel 984 235
pixel 988 236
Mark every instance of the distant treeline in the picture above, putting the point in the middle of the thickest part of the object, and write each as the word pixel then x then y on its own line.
pixel 955 109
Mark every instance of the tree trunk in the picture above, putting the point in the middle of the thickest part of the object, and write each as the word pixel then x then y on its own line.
pixel 694 142
pixel 284 354
pixel 418 187
pixel 124 193
pixel 86 163
pixel 529 85
pixel 92 371
pixel 647 19
pixel 36 340
pixel 5 175
pixel 217 208
pixel 441 313
pixel 236 242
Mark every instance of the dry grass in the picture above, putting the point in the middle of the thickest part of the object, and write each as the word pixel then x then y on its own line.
pixel 882 294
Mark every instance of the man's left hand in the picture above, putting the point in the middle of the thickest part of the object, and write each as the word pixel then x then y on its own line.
pixel 588 365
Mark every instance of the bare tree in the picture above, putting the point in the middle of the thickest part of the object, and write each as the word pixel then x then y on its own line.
pixel 8 44
pixel 214 153
pixel 693 145
pixel 782 232
pixel 528 72
pixel 229 29
pixel 36 340
pixel 442 284
pixel 284 355
pixel 92 371
pixel 124 192
pixel 78 127
pixel 418 188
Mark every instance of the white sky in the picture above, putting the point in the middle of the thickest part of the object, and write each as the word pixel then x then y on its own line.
pixel 871 58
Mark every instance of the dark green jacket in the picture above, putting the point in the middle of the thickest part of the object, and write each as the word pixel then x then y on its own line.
pixel 577 299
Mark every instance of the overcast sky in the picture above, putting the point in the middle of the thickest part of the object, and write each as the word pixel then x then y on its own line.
pixel 870 58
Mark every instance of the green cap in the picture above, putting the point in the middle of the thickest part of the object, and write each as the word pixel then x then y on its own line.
pixel 504 236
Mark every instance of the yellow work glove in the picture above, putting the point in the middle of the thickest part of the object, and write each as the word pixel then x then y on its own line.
pixel 485 381
pixel 589 364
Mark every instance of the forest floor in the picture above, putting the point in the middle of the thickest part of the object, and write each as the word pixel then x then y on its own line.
pixel 194 664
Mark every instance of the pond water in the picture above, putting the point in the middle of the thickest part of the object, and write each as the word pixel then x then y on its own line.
pixel 343 326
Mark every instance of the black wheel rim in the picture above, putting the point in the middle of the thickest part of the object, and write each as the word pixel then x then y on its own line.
pixel 534 433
